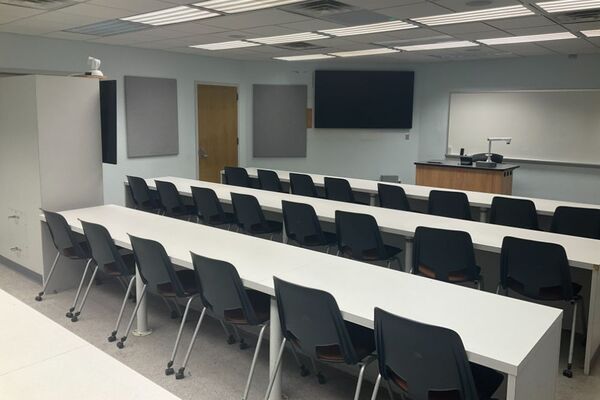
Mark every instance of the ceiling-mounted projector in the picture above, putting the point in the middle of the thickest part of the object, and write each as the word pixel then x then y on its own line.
pixel 94 65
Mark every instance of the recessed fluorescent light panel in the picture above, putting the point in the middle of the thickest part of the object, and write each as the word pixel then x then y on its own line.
pixel 568 5
pixel 592 33
pixel 472 16
pixel 236 6
pixel 370 28
pixel 172 15
pixel 528 39
pixel 294 37
pixel 305 57
pixel 369 52
pixel 437 46
pixel 235 44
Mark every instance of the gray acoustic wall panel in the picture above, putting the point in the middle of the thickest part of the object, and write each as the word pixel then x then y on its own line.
pixel 151 108
pixel 279 120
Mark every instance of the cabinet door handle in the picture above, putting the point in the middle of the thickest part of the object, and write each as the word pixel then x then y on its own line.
pixel 13 217
pixel 16 248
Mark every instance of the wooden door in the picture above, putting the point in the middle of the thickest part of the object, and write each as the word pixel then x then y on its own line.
pixel 217 130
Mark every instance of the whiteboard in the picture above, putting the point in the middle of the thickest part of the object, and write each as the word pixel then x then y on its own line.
pixel 546 125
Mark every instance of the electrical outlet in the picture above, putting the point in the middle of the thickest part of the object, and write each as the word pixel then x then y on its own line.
pixel 407 136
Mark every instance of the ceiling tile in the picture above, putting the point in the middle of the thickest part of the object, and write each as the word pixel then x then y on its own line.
pixel 69 36
pixel 464 5
pixel 575 46
pixel 525 49
pixel 195 27
pixel 312 24
pixel 254 19
pixel 139 36
pixel 536 30
pixel 91 10
pixel 135 6
pixel 464 28
pixel 11 13
pixel 376 4
pixel 372 38
pixel 521 22
pixel 423 9
pixel 272 30
pixel 583 26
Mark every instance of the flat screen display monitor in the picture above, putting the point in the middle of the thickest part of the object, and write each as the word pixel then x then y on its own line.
pixel 108 119
pixel 364 99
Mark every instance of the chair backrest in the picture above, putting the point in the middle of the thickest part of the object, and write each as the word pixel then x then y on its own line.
pixel 338 189
pixel 169 197
pixel 311 320
pixel 449 204
pixel 443 252
pixel 237 176
pixel 247 211
pixel 140 192
pixel 208 205
pixel 359 235
pixel 302 185
pixel 392 196
pixel 520 213
pixel 301 223
pixel 154 265
pixel 535 268
pixel 497 158
pixel 63 237
pixel 269 180
pixel 422 360
pixel 102 246
pixel 575 221
pixel 221 289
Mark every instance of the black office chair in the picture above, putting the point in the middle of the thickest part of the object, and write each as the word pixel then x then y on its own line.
pixel 115 262
pixel 519 213
pixel 449 204
pixel 312 322
pixel 427 362
pixel 445 255
pixel 392 196
pixel 210 210
pixel 250 217
pixel 338 189
pixel 142 197
pixel 224 295
pixel 171 202
pixel 69 245
pixel 303 185
pixel 237 176
pixel 269 180
pixel 302 226
pixel 497 158
pixel 359 238
pixel 157 272
pixel 575 221
pixel 540 271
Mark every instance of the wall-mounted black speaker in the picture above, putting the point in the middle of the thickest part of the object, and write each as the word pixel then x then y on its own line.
pixel 108 119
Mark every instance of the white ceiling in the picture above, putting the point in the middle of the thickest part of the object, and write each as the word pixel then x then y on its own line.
pixel 270 22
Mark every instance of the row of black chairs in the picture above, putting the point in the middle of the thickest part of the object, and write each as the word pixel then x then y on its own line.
pixel 310 319
pixel 519 213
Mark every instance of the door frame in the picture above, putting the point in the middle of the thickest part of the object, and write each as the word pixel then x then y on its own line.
pixel 197 120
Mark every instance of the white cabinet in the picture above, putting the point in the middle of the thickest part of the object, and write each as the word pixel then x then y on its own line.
pixel 50 157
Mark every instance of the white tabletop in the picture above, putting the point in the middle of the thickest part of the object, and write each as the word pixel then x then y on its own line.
pixel 39 359
pixel 497 331
pixel 476 199
pixel 581 252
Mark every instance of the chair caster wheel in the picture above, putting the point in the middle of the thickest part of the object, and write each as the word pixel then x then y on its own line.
pixel 120 345
pixel 180 374
pixel 230 339
pixel 243 345
pixel 321 379
pixel 74 319
pixel 174 315
pixel 38 298
pixel 568 373
pixel 112 338
pixel 169 371
pixel 69 315
pixel 304 371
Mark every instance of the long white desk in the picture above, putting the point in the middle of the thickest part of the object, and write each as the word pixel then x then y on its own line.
pixel 518 338
pixel 582 253
pixel 477 199
pixel 41 360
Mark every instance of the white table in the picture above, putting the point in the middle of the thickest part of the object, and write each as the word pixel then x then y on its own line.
pixel 518 338
pixel 477 199
pixel 582 252
pixel 41 360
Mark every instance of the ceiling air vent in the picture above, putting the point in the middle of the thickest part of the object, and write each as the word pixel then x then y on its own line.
pixel 41 4
pixel 319 8
pixel 578 16
pixel 108 28
pixel 299 46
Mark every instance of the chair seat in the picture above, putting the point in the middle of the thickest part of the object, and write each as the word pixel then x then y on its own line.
pixel 553 293
pixel 267 227
pixel 71 253
pixel 454 277
pixel 187 278
pixel 261 303
pixel 129 260
pixel 216 220
pixel 314 240
pixel 363 342
pixel 186 211
pixel 372 254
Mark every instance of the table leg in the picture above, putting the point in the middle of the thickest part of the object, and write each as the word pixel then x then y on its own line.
pixel 593 330
pixel 408 254
pixel 274 344
pixel 483 212
pixel 372 199
pixel 142 314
